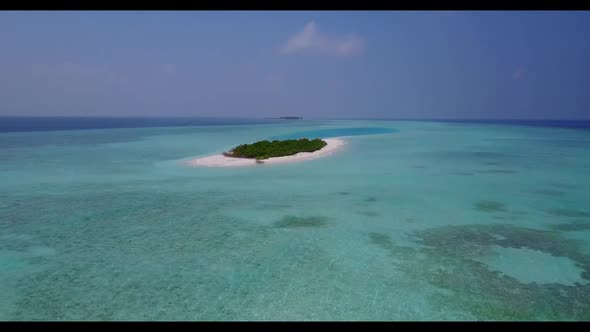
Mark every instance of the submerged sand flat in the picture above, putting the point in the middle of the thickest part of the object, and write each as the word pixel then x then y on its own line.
pixel 220 160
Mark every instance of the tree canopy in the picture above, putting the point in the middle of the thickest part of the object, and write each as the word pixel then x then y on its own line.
pixel 268 149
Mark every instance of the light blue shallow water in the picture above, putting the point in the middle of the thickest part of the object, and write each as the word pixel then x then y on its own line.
pixel 430 221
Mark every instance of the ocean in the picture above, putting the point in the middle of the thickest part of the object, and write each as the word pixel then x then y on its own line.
pixel 411 220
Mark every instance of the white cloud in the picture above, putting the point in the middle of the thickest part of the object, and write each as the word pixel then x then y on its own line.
pixel 311 41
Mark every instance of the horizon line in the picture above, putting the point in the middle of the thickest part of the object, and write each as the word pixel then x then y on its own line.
pixel 278 118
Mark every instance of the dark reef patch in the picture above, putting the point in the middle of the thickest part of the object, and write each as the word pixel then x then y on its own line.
pixel 458 240
pixel 382 240
pixel 507 217
pixel 463 173
pixel 489 206
pixel 565 185
pixel 486 154
pixel 301 222
pixel 274 206
pixel 479 157
pixel 455 239
pixel 497 171
pixel 572 226
pixel 569 213
pixel 549 192
pixel 368 213
pixel 448 260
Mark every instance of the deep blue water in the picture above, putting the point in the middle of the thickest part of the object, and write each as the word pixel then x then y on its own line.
pixel 326 133
pixel 573 124
pixel 20 124
pixel 24 124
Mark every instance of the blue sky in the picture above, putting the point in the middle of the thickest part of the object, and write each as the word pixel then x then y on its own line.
pixel 341 64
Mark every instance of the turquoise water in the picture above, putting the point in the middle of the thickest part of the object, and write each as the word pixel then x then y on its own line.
pixel 428 221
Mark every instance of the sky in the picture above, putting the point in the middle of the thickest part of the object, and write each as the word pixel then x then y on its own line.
pixel 315 64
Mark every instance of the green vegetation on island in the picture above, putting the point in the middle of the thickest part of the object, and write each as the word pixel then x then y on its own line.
pixel 266 149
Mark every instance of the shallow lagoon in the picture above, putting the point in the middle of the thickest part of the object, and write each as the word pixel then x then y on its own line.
pixel 410 221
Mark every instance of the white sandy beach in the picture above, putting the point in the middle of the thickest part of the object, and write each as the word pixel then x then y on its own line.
pixel 220 160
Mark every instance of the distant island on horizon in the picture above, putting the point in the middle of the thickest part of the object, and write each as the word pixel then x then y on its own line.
pixel 287 118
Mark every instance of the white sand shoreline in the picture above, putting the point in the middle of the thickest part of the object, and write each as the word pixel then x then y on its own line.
pixel 219 160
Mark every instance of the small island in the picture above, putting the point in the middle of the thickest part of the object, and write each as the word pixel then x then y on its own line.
pixel 271 152
pixel 287 118
pixel 266 149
